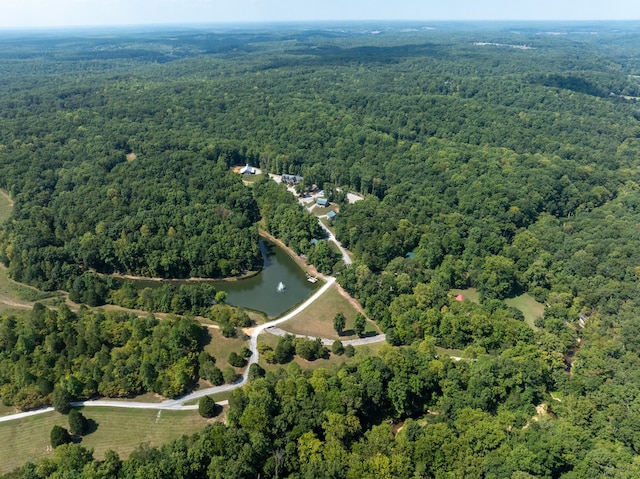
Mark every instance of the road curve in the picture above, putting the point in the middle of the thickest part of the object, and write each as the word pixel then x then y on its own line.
pixel 179 403
pixel 345 256
pixel 25 414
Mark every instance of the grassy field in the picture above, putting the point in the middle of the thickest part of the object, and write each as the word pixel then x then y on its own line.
pixel 328 224
pixel 525 303
pixel 319 210
pixel 333 362
pixel 18 296
pixel 6 410
pixel 121 430
pixel 251 179
pixel 220 347
pixel 6 205
pixel 470 293
pixel 529 307
pixel 457 353
pixel 317 319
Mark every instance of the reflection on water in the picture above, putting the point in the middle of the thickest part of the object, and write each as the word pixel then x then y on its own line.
pixel 280 275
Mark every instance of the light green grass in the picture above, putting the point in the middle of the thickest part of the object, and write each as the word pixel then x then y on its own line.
pixel 470 293
pixel 330 364
pixel 458 353
pixel 529 307
pixel 6 206
pixel 250 179
pixel 220 347
pixel 18 296
pixel 328 224
pixel 121 430
pixel 317 319
pixel 6 410
pixel 319 210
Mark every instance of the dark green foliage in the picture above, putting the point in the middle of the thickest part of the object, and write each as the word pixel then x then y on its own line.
pixel 256 371
pixel 61 400
pixel 167 215
pixel 285 349
pixel 216 377
pixel 337 347
pixel 349 351
pixel 310 349
pixel 283 216
pixel 228 331
pixel 229 375
pixel 323 257
pixel 109 354
pixel 229 318
pixel 339 322
pixel 207 407
pixel 78 424
pixel 510 170
pixel 59 436
pixel 359 324
pixel 236 360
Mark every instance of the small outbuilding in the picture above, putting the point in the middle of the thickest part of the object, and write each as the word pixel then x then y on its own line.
pixel 247 170
pixel 322 202
pixel 331 215
pixel 459 298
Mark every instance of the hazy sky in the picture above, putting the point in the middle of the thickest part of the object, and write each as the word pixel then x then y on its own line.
pixel 28 13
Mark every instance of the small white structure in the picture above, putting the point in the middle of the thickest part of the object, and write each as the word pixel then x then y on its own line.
pixel 247 170
pixel 280 287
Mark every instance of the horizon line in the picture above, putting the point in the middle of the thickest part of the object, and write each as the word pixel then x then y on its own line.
pixel 200 24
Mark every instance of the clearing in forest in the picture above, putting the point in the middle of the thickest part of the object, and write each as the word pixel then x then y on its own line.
pixel 121 430
pixel 317 319
pixel 6 206
pixel 531 308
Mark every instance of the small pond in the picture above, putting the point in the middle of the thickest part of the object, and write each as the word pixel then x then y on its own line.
pixel 277 288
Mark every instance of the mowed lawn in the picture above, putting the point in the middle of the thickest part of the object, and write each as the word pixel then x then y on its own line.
pixel 220 347
pixel 317 320
pixel 330 364
pixel 470 293
pixel 531 308
pixel 121 430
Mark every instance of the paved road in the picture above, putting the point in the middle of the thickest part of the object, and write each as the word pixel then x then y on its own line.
pixel 328 342
pixel 25 414
pixel 179 403
pixel 345 256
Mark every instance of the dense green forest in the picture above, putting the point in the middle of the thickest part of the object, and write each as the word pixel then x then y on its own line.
pixel 52 356
pixel 500 157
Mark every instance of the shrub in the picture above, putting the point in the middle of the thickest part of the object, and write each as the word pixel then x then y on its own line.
pixel 61 399
pixel 236 360
pixel 256 371
pixel 78 424
pixel 59 436
pixel 229 374
pixel 207 407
